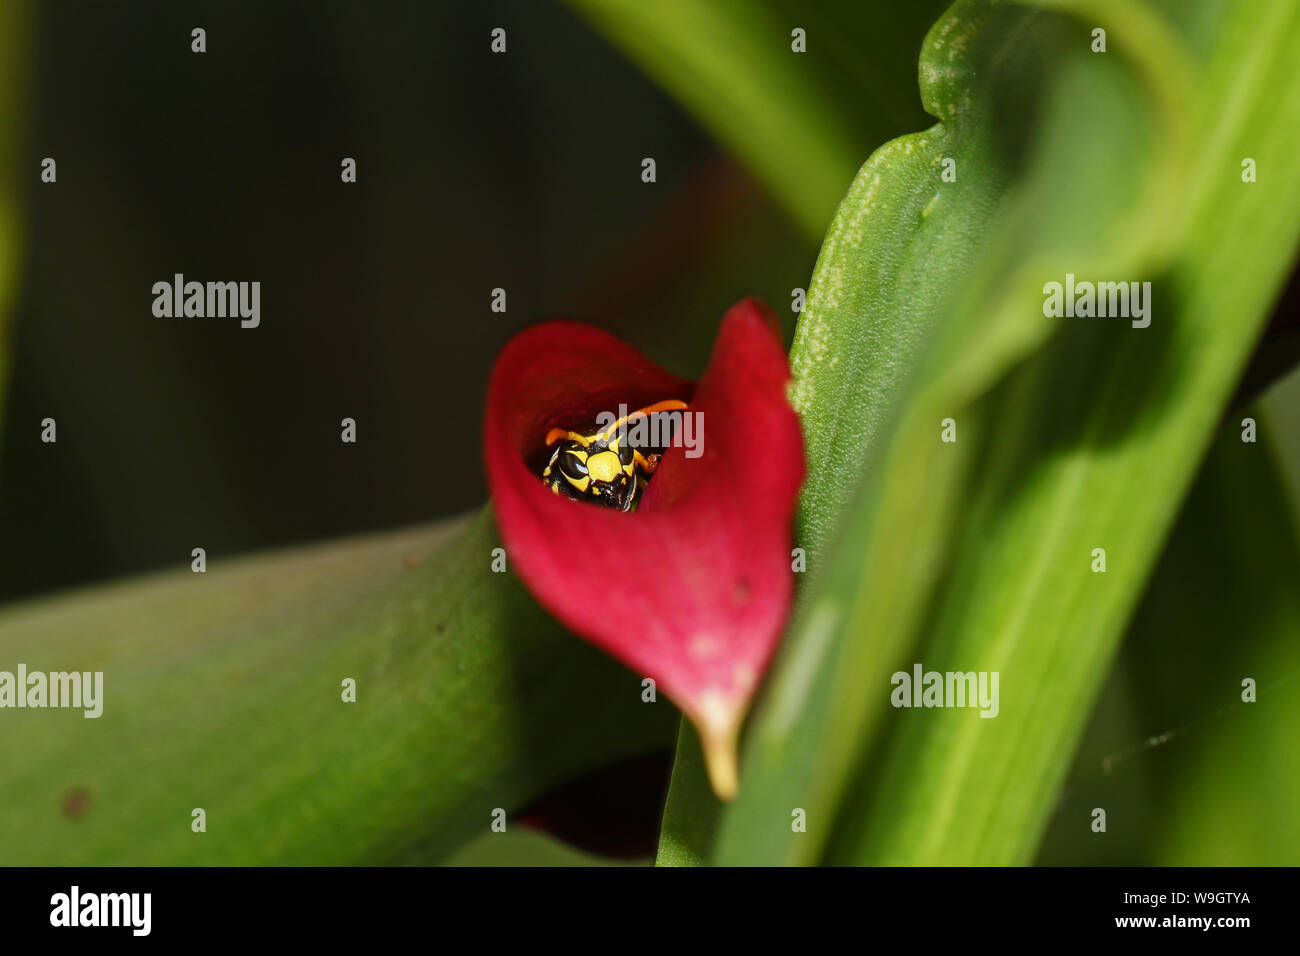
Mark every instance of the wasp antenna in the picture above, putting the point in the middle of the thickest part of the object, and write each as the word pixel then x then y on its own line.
pixel 667 405
pixel 555 434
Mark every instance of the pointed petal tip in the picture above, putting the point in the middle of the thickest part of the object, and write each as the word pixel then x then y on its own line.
pixel 719 732
pixel 721 763
pixel 764 311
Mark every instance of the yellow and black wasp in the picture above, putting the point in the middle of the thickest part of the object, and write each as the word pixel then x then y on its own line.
pixel 601 466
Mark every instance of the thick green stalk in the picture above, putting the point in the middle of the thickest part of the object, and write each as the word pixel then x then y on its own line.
pixel 224 691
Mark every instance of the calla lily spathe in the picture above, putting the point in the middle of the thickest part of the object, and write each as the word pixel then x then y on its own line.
pixel 693 588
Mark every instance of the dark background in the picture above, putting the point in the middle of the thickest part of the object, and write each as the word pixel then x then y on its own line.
pixel 475 170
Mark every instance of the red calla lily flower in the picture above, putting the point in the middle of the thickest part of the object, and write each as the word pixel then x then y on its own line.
pixel 693 588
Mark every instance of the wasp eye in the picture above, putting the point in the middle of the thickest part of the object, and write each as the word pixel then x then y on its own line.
pixel 573 465
pixel 625 455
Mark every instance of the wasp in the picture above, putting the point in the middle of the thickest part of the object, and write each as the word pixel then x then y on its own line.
pixel 601 466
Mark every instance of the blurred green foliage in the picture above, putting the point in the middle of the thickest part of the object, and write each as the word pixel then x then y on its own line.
pixel 1188 772
pixel 802 123
pixel 927 304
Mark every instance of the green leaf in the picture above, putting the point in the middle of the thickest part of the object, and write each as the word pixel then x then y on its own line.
pixel 1238 789
pixel 691 813
pixel 1283 408
pixel 1073 433
pixel 1189 773
pixel 222 691
pixel 1097 441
